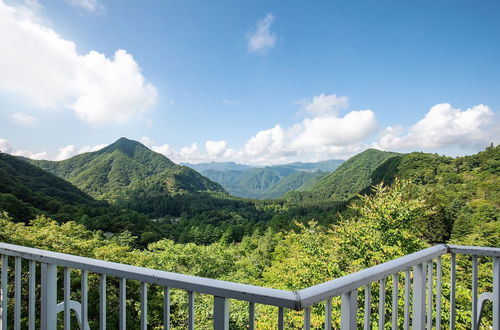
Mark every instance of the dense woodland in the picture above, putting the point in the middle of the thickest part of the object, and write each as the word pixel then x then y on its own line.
pixel 387 205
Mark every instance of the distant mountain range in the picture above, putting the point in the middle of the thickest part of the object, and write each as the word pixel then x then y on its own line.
pixel 265 182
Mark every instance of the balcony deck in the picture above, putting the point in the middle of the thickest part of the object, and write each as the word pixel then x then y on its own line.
pixel 421 283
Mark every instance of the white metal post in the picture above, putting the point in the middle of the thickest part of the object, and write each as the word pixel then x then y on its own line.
pixel 4 293
pixel 221 313
pixel 48 315
pixel 418 317
pixel 349 310
pixel 496 293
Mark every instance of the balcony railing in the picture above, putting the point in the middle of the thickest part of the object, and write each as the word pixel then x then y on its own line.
pixel 422 295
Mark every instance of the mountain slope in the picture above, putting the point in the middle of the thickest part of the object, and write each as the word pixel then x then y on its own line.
pixel 351 177
pixel 294 181
pixel 127 165
pixel 26 190
pixel 258 182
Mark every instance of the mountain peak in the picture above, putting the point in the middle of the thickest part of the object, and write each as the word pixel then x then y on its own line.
pixel 128 147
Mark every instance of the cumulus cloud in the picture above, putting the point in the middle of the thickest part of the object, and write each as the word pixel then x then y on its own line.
pixel 70 151
pixel 215 148
pixel 333 130
pixel 41 67
pixel 325 104
pixel 261 38
pixel 23 119
pixel 443 126
pixel 6 147
pixel 89 6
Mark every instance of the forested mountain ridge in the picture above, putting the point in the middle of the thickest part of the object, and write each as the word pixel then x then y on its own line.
pixel 348 179
pixel 123 166
pixel 464 191
pixel 295 181
pixel 265 182
pixel 26 190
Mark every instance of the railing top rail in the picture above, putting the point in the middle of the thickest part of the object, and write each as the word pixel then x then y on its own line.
pixel 257 294
pixel 475 250
pixel 336 287
pixel 281 298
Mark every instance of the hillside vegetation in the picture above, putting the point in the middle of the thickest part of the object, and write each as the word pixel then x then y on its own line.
pixel 127 165
pixel 266 182
pixel 347 180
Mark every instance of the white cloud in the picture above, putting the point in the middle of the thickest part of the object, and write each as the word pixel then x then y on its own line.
pixel 23 119
pixel 90 6
pixel 70 151
pixel 261 38
pixel 189 151
pixel 215 148
pixel 325 104
pixel 266 141
pixel 6 147
pixel 41 67
pixel 443 126
pixel 331 130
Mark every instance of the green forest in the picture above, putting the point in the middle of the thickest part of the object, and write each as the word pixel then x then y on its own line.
pixel 128 204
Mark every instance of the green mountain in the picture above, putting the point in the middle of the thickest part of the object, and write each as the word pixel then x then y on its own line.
pixel 250 183
pixel 126 166
pixel 350 178
pixel 265 182
pixel 294 181
pixel 26 190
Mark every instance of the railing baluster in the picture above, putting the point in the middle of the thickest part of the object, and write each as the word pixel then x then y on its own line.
pixel 381 304
pixel 474 293
pixel 438 292
pixel 406 316
pixel 281 318
pixel 166 308
pixel 368 307
pixel 328 314
pixel 4 293
pixel 32 295
pixel 190 310
pixel 307 318
pixel 67 297
pixel 102 302
pixel 430 271
pixel 144 306
pixel 85 299
pixel 418 317
pixel 48 301
pixel 395 292
pixel 17 293
pixel 349 310
pixel 123 304
pixel 251 316
pixel 221 313
pixel 496 293
pixel 453 279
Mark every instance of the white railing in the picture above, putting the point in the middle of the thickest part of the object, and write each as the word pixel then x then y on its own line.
pixel 421 291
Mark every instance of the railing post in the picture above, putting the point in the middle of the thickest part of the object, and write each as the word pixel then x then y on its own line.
pixel 48 315
pixel 453 279
pixel 496 293
pixel 4 293
pixel 349 310
pixel 474 325
pixel 418 317
pixel 221 313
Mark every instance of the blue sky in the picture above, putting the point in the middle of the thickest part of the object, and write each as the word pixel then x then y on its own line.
pixel 256 82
